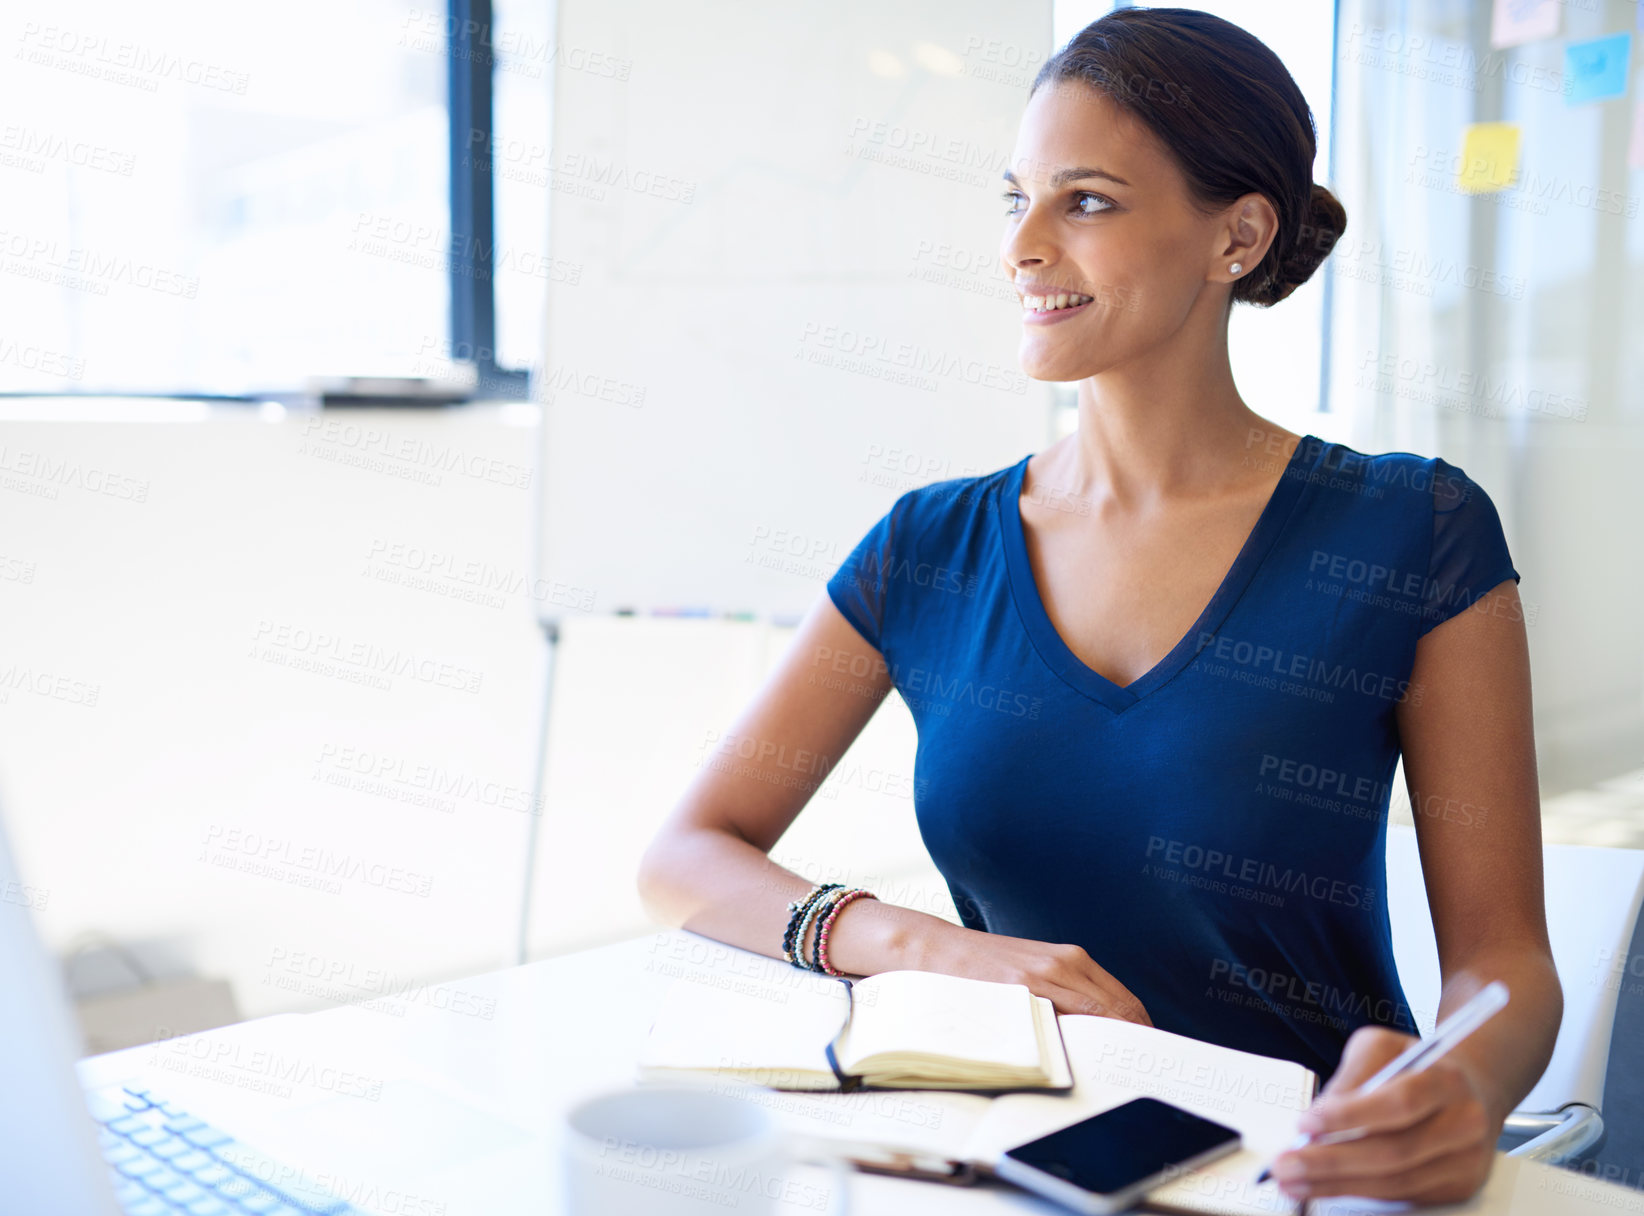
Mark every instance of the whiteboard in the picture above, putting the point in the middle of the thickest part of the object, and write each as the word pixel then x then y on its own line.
pixel 775 300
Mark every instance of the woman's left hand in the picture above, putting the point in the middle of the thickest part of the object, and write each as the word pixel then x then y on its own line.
pixel 1430 1135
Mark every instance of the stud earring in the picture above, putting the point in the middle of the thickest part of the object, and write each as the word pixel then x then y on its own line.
pixel 1237 267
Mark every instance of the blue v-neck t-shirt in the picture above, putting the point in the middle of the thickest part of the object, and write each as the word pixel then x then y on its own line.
pixel 1213 833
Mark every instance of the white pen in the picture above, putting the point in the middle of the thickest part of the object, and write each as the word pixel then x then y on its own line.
pixel 1486 1002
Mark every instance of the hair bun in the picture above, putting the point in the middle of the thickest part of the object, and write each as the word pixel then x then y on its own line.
pixel 1315 238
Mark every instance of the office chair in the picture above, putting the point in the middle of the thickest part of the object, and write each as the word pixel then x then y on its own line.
pixel 1593 901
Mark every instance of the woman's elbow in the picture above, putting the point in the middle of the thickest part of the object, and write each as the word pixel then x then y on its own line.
pixel 681 868
pixel 651 878
pixel 660 878
pixel 1555 992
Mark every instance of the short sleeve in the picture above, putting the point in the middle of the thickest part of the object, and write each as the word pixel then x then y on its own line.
pixel 1469 554
pixel 858 587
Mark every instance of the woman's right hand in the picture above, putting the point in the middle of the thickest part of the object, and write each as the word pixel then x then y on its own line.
pixel 1072 980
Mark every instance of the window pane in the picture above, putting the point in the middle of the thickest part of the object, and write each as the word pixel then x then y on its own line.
pixel 203 202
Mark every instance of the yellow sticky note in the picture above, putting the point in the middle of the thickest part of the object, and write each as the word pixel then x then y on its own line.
pixel 1489 157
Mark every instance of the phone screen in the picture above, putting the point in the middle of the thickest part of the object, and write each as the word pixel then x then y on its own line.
pixel 1122 1146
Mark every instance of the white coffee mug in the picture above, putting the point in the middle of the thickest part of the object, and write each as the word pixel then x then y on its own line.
pixel 675 1151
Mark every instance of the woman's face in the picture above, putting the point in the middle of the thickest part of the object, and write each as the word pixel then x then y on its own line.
pixel 1135 246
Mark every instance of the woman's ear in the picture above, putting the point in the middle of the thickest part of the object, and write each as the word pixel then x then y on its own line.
pixel 1247 233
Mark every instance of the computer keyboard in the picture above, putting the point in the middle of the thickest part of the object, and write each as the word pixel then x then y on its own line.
pixel 165 1162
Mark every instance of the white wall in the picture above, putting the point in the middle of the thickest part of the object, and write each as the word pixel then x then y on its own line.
pixel 156 717
pixel 146 574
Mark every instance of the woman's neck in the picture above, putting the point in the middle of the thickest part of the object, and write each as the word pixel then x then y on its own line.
pixel 1139 443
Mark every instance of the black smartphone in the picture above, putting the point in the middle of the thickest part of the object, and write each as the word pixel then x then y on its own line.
pixel 1109 1161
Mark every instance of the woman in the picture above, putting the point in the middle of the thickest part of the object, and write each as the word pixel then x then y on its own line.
pixel 1161 699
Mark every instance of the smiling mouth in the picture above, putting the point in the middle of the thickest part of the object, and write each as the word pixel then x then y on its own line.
pixel 1048 304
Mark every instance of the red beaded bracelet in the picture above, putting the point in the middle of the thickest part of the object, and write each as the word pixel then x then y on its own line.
pixel 853 894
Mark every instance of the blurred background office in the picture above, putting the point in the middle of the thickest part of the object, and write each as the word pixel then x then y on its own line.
pixel 423 424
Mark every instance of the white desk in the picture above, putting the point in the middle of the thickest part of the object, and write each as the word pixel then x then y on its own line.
pixel 520 1046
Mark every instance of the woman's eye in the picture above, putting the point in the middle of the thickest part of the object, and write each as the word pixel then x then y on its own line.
pixel 1079 201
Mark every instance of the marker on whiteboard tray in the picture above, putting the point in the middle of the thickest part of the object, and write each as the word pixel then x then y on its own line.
pixel 681 612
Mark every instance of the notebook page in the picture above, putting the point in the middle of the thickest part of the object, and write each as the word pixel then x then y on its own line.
pixel 1058 1068
pixel 926 1011
pixel 771 1030
pixel 1114 1062
pixel 933 1121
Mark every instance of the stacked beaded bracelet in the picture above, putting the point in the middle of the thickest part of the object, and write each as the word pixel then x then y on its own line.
pixel 823 907
pixel 836 904
pixel 816 909
pixel 800 912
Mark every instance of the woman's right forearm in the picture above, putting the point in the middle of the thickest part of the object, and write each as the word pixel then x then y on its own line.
pixel 721 886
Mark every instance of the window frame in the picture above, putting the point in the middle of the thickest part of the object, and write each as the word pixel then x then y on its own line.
pixel 471 68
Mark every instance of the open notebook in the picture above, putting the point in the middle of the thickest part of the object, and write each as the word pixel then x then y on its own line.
pixel 1111 1062
pixel 894 1030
